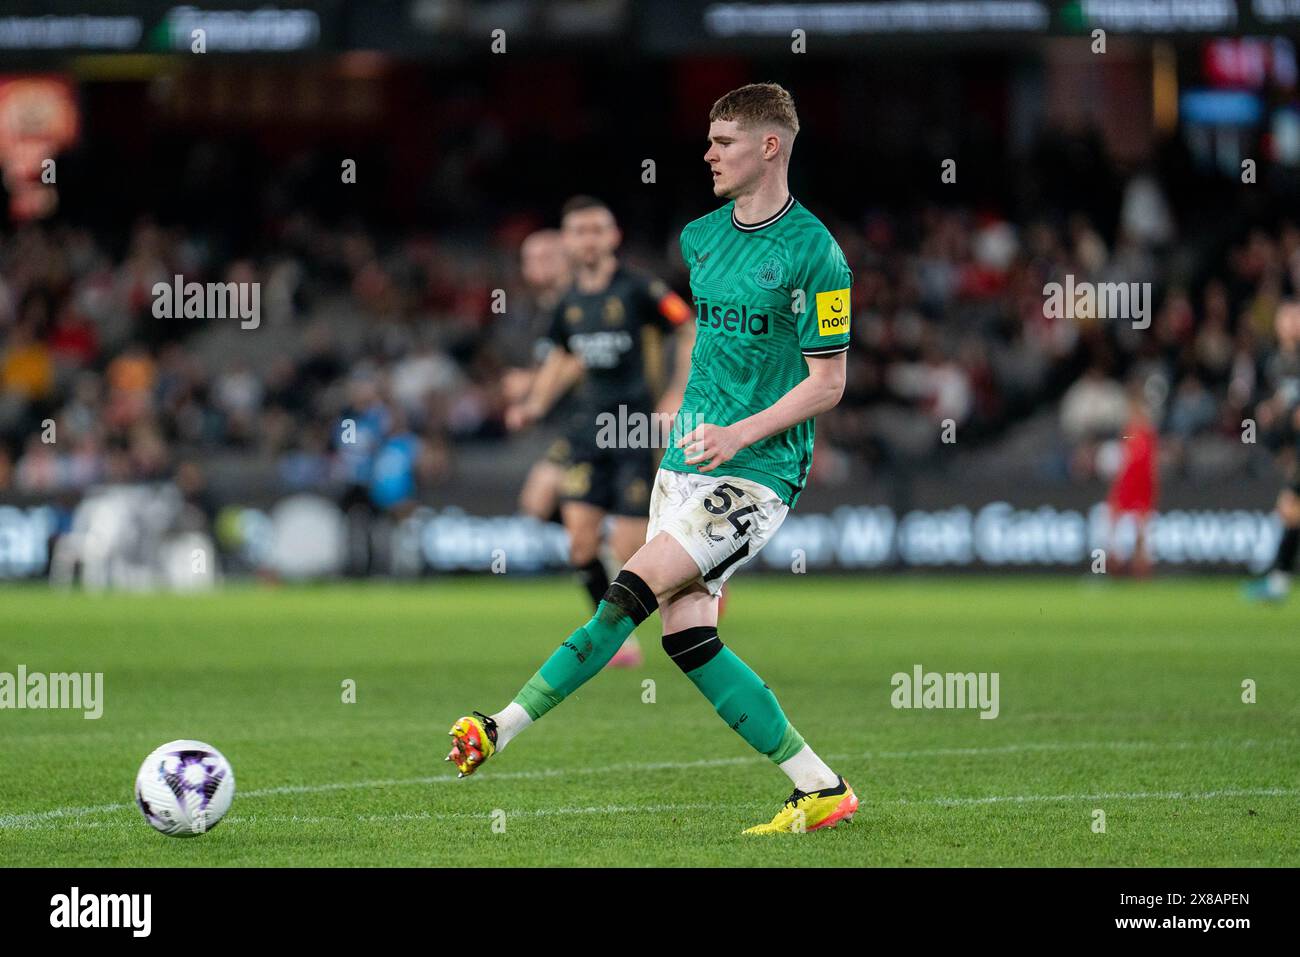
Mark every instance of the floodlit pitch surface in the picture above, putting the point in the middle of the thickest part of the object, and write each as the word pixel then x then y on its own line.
pixel 1118 697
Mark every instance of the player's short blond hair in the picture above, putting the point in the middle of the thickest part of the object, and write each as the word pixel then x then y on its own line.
pixel 758 104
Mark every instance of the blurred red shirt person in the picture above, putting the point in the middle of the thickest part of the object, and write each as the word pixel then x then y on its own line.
pixel 1137 484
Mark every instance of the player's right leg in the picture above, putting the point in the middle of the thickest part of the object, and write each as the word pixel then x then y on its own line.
pixel 658 569
pixel 1276 585
pixel 583 523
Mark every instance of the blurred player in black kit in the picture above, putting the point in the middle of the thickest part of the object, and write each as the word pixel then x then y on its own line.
pixel 1278 417
pixel 612 320
pixel 544 267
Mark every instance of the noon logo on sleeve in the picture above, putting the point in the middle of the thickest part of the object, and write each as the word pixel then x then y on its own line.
pixel 833 312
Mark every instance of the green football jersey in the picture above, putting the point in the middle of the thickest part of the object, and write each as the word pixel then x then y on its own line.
pixel 766 295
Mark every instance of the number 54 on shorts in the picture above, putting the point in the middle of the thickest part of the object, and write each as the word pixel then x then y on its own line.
pixel 721 520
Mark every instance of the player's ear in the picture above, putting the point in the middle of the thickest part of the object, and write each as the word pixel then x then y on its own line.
pixel 771 145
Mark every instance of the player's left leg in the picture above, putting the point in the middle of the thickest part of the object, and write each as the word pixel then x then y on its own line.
pixel 629 475
pixel 722 523
pixel 632 476
pixel 627 534
pixel 748 705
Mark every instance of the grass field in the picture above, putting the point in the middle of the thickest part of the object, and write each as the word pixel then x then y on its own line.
pixel 1117 696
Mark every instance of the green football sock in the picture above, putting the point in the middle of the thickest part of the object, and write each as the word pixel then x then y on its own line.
pixel 738 695
pixel 627 602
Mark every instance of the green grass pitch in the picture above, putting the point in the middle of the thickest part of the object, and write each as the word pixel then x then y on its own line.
pixel 1114 696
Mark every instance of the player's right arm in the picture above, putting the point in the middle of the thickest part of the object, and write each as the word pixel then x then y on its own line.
pixel 825 284
pixel 560 370
pixel 715 445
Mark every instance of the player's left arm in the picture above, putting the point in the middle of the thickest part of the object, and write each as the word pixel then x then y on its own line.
pixel 824 288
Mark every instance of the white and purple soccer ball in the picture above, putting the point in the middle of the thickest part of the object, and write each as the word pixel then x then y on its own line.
pixel 185 788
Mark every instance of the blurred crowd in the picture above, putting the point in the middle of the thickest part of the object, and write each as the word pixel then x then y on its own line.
pixel 953 329
pixel 379 357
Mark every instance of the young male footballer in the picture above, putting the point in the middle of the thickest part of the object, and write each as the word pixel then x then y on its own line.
pixel 771 289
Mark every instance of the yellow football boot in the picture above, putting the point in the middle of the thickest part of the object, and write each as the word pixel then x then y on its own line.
pixel 803 812
pixel 473 741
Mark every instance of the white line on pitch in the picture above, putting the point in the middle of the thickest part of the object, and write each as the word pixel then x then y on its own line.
pixel 662 808
pixel 1109 796
pixel 10 821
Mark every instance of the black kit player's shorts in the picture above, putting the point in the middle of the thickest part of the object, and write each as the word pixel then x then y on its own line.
pixel 615 480
pixel 557 453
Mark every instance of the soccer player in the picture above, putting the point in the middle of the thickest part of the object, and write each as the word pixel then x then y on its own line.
pixel 610 319
pixel 1279 416
pixel 544 267
pixel 771 288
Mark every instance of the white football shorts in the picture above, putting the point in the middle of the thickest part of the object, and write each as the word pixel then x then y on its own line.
pixel 721 520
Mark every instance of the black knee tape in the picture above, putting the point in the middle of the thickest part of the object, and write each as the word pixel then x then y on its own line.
pixel 633 595
pixel 694 647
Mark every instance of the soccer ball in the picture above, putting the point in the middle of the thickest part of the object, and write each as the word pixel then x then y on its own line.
pixel 185 788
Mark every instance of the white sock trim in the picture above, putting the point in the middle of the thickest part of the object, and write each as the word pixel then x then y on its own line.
pixel 510 721
pixel 809 772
